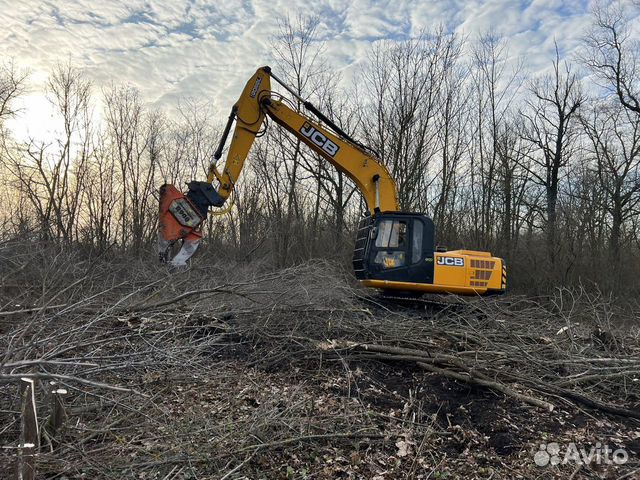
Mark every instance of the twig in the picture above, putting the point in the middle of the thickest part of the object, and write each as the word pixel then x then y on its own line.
pixel 6 313
pixel 306 438
pixel 238 467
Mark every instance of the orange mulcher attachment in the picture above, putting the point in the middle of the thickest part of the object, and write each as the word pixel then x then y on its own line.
pixel 181 216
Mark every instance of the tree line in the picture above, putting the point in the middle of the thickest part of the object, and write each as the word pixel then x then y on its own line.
pixel 541 170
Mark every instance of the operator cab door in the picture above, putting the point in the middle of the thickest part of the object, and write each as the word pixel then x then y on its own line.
pixel 401 248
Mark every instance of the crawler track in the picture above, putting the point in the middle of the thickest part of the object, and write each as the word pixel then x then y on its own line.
pixel 426 303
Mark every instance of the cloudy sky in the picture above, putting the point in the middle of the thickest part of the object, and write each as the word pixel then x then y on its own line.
pixel 207 48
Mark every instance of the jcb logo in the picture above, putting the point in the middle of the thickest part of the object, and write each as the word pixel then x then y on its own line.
pixel 319 139
pixel 254 90
pixel 451 261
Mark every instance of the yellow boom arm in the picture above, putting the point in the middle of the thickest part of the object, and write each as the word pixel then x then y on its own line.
pixel 257 100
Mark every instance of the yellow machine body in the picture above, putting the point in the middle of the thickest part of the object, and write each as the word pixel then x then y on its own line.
pixel 461 272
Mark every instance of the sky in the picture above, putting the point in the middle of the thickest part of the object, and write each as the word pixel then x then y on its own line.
pixel 206 49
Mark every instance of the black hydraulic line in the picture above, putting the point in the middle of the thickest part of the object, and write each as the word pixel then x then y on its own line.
pixel 232 116
pixel 321 116
pixel 311 107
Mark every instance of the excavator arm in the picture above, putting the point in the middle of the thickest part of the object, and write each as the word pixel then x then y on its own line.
pixel 181 218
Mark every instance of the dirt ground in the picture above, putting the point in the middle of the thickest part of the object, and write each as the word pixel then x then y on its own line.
pixel 250 378
pixel 395 423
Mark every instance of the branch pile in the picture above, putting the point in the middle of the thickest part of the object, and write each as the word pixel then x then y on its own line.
pixel 208 370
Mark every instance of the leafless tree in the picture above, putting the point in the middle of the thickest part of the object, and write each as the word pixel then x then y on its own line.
pixel 613 54
pixel 403 80
pixel 189 142
pixel 514 187
pixel 101 196
pixel 551 120
pixel 53 181
pixel 297 53
pixel 134 134
pixel 12 85
pixel 496 85
pixel 453 142
pixel 614 135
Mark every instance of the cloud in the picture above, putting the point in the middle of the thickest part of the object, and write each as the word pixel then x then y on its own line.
pixel 207 48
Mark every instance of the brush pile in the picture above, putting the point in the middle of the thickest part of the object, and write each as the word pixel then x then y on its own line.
pixel 243 371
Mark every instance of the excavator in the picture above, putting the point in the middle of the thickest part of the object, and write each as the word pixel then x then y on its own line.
pixel 395 251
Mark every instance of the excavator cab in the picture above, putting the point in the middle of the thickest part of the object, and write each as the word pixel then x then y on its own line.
pixel 396 251
pixel 395 247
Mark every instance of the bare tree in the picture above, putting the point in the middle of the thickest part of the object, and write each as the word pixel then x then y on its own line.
pixel 514 184
pixel 134 136
pixel 297 52
pixel 101 197
pixel 453 142
pixel 614 134
pixel 496 85
pixel 613 54
pixel 551 128
pixel 189 142
pixel 54 181
pixel 12 85
pixel 402 81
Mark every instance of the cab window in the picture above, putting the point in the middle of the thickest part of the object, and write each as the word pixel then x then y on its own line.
pixel 390 244
pixel 416 244
pixel 391 234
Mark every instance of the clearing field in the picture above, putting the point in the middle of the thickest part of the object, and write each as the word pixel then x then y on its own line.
pixel 252 373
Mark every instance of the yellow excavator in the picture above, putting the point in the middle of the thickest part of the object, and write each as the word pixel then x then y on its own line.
pixel 394 250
